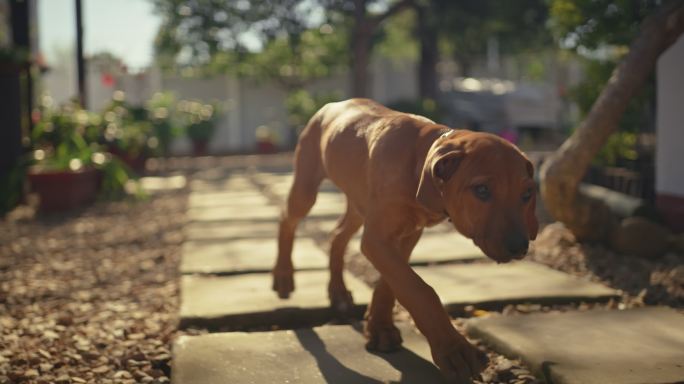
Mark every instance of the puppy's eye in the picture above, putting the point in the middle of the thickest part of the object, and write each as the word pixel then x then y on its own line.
pixel 482 192
pixel 527 195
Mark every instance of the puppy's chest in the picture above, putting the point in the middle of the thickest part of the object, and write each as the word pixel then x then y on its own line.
pixel 428 219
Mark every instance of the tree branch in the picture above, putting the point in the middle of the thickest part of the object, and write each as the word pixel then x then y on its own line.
pixel 561 174
pixel 395 8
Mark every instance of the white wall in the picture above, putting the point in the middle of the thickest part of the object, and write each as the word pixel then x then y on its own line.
pixel 245 104
pixel 670 121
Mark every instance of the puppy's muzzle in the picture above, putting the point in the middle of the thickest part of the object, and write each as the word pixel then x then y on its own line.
pixel 516 244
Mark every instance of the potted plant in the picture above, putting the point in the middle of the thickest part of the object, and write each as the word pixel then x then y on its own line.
pixel 200 124
pixel 68 166
pixel 160 112
pixel 128 133
pixel 266 139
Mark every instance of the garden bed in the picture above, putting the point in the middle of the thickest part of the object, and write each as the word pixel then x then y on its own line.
pixel 91 296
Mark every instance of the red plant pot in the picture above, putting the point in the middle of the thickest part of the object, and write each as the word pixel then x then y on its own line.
pixel 63 190
pixel 136 163
pixel 264 147
pixel 200 147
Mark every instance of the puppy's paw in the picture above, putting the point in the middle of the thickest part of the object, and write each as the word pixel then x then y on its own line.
pixel 283 282
pixel 382 337
pixel 341 300
pixel 458 360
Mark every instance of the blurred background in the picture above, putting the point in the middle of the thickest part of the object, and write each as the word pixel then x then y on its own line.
pixel 158 78
pixel 136 135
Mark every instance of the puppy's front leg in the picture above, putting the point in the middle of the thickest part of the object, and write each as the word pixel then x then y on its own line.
pixel 458 360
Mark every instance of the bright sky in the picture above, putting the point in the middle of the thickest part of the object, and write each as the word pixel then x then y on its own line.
pixel 126 28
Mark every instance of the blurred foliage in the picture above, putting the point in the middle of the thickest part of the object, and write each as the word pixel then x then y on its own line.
pixel 593 24
pixel 65 133
pixel 14 55
pixel 198 119
pixel 466 27
pixel 12 186
pixel 301 105
pixel 160 112
pixel 67 138
pixel 397 38
pixel 620 146
pixel 126 128
pixel 192 32
pixel 425 107
pixel 601 31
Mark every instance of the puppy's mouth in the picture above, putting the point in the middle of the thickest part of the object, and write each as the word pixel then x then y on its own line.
pixel 506 258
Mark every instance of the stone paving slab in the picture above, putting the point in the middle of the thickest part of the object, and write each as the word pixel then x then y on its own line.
pixel 643 345
pixel 229 184
pixel 329 354
pixel 219 230
pixel 435 247
pixel 247 300
pixel 280 184
pixel 234 212
pixel 247 255
pixel 492 285
pixel 328 205
pixel 217 199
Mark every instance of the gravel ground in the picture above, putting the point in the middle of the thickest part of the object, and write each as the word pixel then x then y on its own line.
pixel 657 281
pixel 91 296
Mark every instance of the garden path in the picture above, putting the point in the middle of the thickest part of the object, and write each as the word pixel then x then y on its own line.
pixel 229 251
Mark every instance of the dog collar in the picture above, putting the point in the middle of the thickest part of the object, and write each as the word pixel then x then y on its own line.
pixel 447 133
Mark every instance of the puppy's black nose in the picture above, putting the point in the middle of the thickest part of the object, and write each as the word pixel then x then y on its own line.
pixel 516 244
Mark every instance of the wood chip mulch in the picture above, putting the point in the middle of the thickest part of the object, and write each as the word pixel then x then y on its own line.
pixel 91 296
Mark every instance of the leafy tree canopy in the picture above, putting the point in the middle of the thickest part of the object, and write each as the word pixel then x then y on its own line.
pixel 467 25
pixel 592 24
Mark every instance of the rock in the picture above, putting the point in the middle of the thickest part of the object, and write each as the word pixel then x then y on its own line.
pixel 63 379
pixel 31 374
pixel 101 369
pixel 640 237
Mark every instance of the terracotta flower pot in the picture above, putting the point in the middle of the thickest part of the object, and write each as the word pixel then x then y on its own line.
pixel 200 147
pixel 63 190
pixel 136 163
pixel 265 147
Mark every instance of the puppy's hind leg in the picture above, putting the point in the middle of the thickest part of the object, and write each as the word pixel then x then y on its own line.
pixel 340 298
pixel 308 174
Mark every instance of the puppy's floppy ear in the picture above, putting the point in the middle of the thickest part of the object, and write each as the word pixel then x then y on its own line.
pixel 439 167
pixel 530 215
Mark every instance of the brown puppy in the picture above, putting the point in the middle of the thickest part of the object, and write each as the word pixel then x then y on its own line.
pixel 401 173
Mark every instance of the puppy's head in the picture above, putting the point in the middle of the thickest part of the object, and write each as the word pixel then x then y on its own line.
pixel 485 185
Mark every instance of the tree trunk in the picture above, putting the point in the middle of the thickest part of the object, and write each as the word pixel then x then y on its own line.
pixel 464 65
pixel 588 218
pixel 362 40
pixel 361 50
pixel 429 54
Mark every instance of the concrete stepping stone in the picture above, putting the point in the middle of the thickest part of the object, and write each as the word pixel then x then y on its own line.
pixel 217 199
pixel 328 354
pixel 219 230
pixel 436 247
pixel 492 285
pixel 280 184
pixel 247 255
pixel 228 184
pixel 217 173
pixel 328 205
pixel 247 300
pixel 234 212
pixel 643 345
